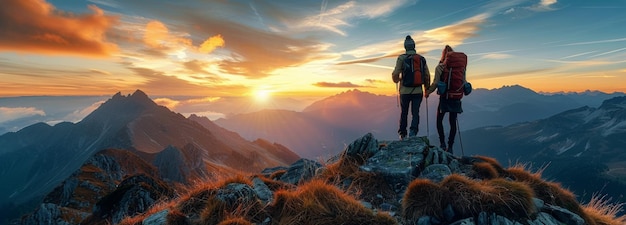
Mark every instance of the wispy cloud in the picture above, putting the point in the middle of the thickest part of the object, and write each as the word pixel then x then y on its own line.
pixel 596 42
pixel 496 56
pixel 576 55
pixel 455 34
pixel 333 18
pixel 36 26
pixel 8 113
pixel 609 52
pixel 337 85
pixel 544 5
pixel 586 63
pixel 167 102
pixel 78 115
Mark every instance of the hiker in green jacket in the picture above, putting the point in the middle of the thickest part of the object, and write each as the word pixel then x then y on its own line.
pixel 452 106
pixel 409 96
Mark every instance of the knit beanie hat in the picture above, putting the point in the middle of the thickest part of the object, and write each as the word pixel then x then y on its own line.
pixel 409 44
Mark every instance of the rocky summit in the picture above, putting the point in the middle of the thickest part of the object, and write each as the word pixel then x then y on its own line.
pixel 384 182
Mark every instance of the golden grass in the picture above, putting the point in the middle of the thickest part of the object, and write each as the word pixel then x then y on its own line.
pixel 197 196
pixel 484 170
pixel 137 220
pixel 217 210
pixel 423 198
pixel 550 192
pixel 235 221
pixel 364 185
pixel 277 174
pixel 468 197
pixel 494 163
pixel 275 185
pixel 175 217
pixel 514 199
pixel 317 202
pixel 600 211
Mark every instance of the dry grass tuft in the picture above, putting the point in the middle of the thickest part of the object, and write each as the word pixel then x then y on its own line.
pixel 550 192
pixel 423 198
pixel 137 220
pixel 494 163
pixel 600 211
pixel 175 217
pixel 366 186
pixel 512 199
pixel 484 171
pixel 275 185
pixel 317 202
pixel 237 179
pixel 194 202
pixel 217 210
pixel 277 174
pixel 468 197
pixel 235 221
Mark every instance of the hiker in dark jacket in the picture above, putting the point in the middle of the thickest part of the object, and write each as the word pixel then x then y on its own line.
pixel 409 96
pixel 451 106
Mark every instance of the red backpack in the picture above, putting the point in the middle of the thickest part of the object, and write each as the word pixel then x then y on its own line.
pixel 454 75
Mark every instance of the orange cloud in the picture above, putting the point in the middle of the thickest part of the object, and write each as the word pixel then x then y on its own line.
pixel 257 53
pixel 212 43
pixel 157 36
pixel 35 26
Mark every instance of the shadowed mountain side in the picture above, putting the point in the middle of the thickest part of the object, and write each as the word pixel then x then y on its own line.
pixel 583 148
pixel 37 158
pixel 303 133
pixel 235 141
pixel 328 124
pixel 378 183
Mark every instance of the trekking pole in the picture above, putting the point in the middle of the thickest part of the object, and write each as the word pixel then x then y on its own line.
pixel 427 119
pixel 460 139
pixel 398 94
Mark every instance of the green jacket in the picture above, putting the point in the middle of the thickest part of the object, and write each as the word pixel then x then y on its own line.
pixel 395 75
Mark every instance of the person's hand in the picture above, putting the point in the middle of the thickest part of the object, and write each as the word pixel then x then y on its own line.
pixel 426 94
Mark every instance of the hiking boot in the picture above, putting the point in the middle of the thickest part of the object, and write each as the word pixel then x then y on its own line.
pixel 402 136
pixel 413 133
pixel 450 148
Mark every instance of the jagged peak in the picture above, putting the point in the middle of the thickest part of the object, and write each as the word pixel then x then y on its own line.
pixel 138 94
pixel 616 102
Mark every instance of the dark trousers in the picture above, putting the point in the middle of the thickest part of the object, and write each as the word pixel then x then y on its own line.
pixel 414 101
pixel 452 120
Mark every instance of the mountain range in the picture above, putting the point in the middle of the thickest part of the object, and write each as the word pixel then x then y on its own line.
pixel 326 126
pixel 56 164
pixel 583 148
pixel 36 159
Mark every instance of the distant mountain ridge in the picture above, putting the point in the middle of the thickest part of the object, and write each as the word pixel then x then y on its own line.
pixel 37 158
pixel 583 147
pixel 326 126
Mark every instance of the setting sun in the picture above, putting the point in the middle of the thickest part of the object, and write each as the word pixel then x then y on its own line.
pixel 262 95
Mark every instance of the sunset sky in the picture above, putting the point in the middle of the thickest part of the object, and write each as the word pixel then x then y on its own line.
pixel 302 48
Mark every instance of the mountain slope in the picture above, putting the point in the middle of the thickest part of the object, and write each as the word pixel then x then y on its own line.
pixel 375 183
pixel 583 148
pixel 37 158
